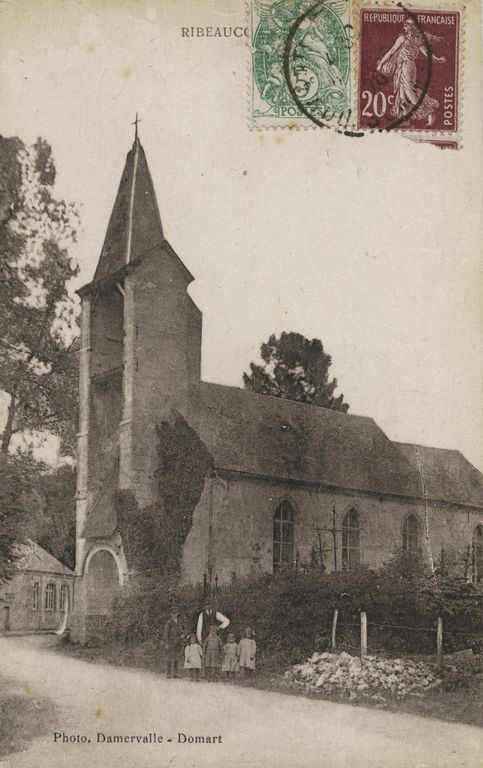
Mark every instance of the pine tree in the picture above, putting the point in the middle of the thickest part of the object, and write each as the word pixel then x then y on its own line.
pixel 296 368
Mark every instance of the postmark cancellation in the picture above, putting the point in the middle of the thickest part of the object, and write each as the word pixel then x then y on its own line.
pixel 358 67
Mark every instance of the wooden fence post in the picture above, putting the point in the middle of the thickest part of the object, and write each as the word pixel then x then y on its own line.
pixel 334 629
pixel 363 635
pixel 439 639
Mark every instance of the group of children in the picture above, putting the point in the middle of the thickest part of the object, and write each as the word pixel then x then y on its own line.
pixel 213 656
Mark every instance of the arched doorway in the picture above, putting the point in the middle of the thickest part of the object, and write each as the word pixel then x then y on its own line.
pixel 103 580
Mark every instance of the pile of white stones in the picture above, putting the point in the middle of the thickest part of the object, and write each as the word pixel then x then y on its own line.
pixel 375 678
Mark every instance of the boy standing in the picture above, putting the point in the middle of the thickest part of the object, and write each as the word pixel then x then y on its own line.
pixel 173 638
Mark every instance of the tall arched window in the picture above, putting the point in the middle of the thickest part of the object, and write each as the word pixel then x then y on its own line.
pixel 283 536
pixel 64 597
pixel 351 540
pixel 36 596
pixel 50 597
pixel 478 553
pixel 410 535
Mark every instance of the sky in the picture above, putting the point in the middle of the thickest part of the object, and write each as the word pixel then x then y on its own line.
pixel 372 244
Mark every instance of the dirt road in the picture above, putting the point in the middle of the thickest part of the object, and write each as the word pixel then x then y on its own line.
pixel 253 728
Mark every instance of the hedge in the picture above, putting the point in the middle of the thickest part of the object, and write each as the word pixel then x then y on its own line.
pixel 292 613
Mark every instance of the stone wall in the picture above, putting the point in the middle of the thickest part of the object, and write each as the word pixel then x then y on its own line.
pixel 166 350
pixel 106 334
pixel 242 511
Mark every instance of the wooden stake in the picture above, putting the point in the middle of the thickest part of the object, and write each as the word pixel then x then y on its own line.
pixel 334 629
pixel 321 552
pixel 334 535
pixel 439 639
pixel 363 635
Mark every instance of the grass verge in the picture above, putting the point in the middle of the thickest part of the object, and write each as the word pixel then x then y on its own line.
pixel 24 716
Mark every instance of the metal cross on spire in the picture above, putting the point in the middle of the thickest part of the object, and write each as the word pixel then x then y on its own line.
pixel 135 123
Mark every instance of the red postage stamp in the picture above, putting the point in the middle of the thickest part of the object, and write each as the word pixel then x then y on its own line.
pixel 408 69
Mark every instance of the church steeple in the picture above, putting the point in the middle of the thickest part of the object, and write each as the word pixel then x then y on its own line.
pixel 134 227
pixel 140 353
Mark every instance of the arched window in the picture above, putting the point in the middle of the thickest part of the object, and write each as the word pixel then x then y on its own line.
pixel 283 536
pixel 478 553
pixel 50 597
pixel 351 540
pixel 36 596
pixel 64 597
pixel 410 535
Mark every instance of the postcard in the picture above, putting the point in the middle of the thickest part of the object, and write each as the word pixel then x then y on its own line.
pixel 241 506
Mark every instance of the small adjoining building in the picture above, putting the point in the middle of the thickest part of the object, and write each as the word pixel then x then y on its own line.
pixel 261 482
pixel 39 595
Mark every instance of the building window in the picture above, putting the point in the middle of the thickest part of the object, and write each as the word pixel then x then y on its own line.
pixel 478 553
pixel 410 535
pixel 283 537
pixel 64 598
pixel 351 540
pixel 36 597
pixel 50 597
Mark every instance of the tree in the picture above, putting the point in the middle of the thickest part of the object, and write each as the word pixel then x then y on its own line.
pixel 38 327
pixel 19 497
pixel 295 368
pixel 55 525
pixel 35 503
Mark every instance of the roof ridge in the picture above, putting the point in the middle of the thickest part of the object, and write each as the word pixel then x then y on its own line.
pixel 136 146
pixel 430 447
pixel 290 400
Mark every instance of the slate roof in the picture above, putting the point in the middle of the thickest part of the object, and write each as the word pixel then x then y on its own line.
pixel 273 437
pixel 134 232
pixel 135 227
pixel 33 557
pixel 448 475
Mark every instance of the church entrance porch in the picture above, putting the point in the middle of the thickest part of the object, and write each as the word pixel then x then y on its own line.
pixel 98 590
pixel 103 579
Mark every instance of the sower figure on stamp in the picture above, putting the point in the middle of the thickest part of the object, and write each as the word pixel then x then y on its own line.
pixel 400 64
pixel 173 640
pixel 208 617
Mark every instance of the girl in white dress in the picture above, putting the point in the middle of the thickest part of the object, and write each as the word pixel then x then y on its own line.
pixel 229 665
pixel 247 650
pixel 193 655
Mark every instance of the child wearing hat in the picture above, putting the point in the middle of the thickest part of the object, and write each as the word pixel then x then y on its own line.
pixel 173 640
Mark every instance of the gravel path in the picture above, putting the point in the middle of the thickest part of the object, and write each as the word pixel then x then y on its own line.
pixel 257 728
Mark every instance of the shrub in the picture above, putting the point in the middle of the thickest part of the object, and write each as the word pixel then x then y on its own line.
pixel 292 613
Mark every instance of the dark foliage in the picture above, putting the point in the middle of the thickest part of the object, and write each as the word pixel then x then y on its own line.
pixel 295 368
pixel 19 497
pixel 55 528
pixel 154 536
pixel 292 614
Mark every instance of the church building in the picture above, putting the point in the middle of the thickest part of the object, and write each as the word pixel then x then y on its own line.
pixel 275 482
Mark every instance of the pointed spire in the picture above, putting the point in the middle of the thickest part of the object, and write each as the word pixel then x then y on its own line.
pixel 135 123
pixel 134 228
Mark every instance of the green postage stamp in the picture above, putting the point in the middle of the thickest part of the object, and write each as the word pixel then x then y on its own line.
pixel 301 62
